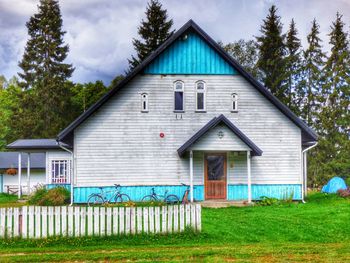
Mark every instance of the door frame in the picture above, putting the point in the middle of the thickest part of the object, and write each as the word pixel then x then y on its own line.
pixel 224 154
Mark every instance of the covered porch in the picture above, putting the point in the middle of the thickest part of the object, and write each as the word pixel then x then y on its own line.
pixel 226 154
pixel 26 148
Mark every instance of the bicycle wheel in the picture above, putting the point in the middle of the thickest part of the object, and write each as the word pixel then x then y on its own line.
pixel 95 200
pixel 172 199
pixel 122 198
pixel 148 198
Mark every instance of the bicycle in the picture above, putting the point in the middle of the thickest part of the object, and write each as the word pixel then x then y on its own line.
pixel 169 199
pixel 101 198
pixel 186 194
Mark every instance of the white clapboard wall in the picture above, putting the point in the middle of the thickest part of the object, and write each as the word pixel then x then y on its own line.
pixel 79 221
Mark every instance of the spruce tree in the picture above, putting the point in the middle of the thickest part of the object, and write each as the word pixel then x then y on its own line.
pixel 293 68
pixel 313 63
pixel 44 74
pixel 153 31
pixel 271 62
pixel 333 153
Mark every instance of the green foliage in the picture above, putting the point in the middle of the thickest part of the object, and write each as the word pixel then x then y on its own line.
pixel 7 198
pixel 153 32
pixel 246 54
pixel 267 201
pixel 85 95
pixel 293 68
pixel 9 99
pixel 53 197
pixel 272 51
pixel 44 105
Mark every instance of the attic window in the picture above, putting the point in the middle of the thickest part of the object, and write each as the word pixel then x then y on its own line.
pixel 179 89
pixel 200 96
pixel 144 102
pixel 234 102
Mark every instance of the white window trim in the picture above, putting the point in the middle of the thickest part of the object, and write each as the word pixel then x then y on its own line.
pixel 234 98
pixel 183 97
pixel 142 102
pixel 204 96
pixel 69 167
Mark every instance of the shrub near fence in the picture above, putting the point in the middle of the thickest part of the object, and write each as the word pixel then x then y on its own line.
pixel 42 221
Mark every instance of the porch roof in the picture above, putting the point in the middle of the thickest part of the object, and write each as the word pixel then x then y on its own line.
pixel 256 151
pixel 35 144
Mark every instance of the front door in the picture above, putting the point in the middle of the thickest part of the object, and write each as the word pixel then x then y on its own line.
pixel 215 176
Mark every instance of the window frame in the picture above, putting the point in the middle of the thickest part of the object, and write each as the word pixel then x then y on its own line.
pixel 234 101
pixel 60 178
pixel 183 96
pixel 204 91
pixel 144 99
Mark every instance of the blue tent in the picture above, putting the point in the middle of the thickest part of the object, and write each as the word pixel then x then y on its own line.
pixel 334 185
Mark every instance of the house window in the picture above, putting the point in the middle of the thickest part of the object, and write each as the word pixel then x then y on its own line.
pixel 200 96
pixel 234 102
pixel 144 102
pixel 60 171
pixel 179 96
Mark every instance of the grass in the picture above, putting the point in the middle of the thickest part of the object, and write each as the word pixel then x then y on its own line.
pixel 7 200
pixel 318 231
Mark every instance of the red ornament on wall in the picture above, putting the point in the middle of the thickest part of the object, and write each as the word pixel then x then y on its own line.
pixel 161 135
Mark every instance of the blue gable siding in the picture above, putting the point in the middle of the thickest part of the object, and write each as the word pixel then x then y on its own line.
pixel 190 56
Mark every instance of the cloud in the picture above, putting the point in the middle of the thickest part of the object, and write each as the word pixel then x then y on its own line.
pixel 100 32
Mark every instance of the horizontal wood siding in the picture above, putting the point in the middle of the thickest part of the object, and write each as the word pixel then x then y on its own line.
pixel 119 144
pixel 212 142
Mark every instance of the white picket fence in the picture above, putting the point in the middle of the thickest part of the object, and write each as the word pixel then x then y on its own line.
pixel 41 221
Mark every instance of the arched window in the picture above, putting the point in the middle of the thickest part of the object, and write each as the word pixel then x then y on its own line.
pixel 234 102
pixel 200 96
pixel 144 102
pixel 179 89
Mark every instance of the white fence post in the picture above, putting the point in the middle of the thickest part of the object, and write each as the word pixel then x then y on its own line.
pixel 37 222
pixel 44 221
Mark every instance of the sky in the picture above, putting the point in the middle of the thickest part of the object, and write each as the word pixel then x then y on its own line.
pixel 100 32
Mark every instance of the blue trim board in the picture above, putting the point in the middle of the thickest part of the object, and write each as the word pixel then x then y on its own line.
pixel 280 191
pixel 234 192
pixel 136 193
pixel 191 55
pixel 50 186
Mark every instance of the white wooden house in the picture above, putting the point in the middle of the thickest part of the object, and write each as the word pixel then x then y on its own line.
pixel 188 114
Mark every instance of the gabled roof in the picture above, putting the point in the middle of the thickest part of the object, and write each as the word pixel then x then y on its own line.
pixel 34 144
pixel 10 160
pixel 307 133
pixel 256 151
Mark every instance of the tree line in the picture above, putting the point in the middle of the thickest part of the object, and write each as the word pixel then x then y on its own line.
pixel 41 100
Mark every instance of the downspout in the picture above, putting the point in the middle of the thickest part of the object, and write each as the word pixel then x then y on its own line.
pixel 71 174
pixel 305 168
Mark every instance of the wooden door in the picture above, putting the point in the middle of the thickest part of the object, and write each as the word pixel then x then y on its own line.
pixel 215 176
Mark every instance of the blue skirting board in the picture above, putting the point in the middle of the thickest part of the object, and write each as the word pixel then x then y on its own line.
pixel 234 192
pixel 280 191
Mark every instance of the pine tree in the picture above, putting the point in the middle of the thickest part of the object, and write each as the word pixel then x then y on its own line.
pixel 333 153
pixel 293 68
pixel 153 31
pixel 313 63
pixel 46 96
pixel 271 60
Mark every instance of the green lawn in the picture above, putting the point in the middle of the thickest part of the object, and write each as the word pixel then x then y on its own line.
pixel 318 231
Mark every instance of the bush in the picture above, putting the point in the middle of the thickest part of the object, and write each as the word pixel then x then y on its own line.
pixel 267 201
pixel 347 181
pixel 55 196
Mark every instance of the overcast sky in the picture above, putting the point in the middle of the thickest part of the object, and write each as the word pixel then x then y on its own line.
pixel 99 32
